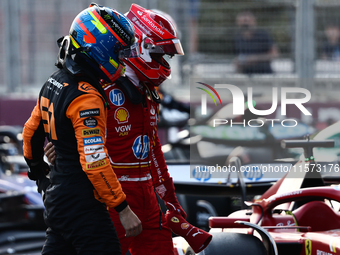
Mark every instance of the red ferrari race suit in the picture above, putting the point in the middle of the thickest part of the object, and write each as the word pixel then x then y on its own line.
pixel 71 113
pixel 136 157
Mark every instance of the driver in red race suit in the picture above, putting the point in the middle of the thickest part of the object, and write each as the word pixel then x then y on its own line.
pixel 71 112
pixel 132 140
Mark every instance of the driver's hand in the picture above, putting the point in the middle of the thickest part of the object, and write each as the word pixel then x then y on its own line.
pixel 130 222
pixel 50 153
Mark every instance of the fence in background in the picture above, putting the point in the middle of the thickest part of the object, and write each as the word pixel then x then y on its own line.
pixel 29 30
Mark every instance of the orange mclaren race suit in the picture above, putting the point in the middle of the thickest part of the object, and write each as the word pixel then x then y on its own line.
pixel 136 157
pixel 72 114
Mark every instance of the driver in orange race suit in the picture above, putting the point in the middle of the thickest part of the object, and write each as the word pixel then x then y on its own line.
pixel 71 112
pixel 132 140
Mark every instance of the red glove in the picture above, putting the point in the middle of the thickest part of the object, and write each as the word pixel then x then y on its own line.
pixel 197 238
pixel 167 193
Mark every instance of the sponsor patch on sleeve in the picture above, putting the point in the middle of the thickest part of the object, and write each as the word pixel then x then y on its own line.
pixel 93 140
pixel 95 157
pixel 90 122
pixel 85 87
pixel 91 131
pixel 89 113
pixel 90 149
pixel 94 165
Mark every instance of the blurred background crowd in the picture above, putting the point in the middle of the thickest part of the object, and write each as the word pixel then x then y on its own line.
pixel 248 43
pixel 285 39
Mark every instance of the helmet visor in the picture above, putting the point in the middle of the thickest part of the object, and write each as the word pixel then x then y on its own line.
pixel 130 52
pixel 169 47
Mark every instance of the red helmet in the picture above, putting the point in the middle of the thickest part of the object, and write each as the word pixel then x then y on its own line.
pixel 157 37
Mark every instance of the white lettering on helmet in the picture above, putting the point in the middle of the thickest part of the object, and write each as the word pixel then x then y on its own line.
pixel 154 26
pixel 142 27
pixel 120 31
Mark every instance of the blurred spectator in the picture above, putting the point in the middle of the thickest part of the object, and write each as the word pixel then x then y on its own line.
pixel 331 47
pixel 254 47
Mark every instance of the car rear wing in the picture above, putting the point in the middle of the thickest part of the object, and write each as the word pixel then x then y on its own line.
pixel 307 145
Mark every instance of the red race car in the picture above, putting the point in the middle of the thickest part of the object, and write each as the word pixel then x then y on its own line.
pixel 299 215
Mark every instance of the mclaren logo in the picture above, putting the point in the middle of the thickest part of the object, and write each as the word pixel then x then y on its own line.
pixel 85 87
pixel 57 84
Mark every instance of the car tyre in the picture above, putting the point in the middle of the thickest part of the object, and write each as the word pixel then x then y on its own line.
pixel 224 243
pixel 189 251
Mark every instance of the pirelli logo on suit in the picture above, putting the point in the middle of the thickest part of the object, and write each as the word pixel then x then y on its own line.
pixel 94 165
pixel 91 131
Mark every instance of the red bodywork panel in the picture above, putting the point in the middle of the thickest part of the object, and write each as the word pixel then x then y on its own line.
pixel 319 231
